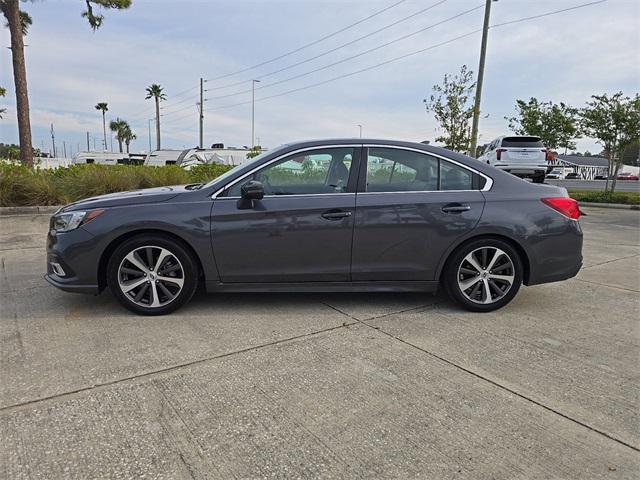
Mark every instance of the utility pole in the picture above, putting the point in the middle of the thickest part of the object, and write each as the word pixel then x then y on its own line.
pixel 360 127
pixel 88 147
pixel 64 148
pixel 483 53
pixel 253 112
pixel 53 141
pixel 201 105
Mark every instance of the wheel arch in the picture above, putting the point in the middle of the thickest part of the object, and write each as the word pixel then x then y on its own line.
pixel 108 251
pixel 522 253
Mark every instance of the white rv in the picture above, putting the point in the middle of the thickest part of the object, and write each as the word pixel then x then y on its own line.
pixel 100 158
pixel 160 158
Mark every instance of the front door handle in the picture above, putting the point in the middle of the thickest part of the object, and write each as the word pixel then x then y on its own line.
pixel 336 214
pixel 455 208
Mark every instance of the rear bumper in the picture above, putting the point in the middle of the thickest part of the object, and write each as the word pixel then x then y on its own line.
pixel 557 254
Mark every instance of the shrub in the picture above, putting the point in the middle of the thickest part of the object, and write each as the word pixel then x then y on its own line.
pixel 20 185
pixel 626 198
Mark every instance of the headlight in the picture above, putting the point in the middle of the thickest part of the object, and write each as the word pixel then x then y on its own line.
pixel 65 222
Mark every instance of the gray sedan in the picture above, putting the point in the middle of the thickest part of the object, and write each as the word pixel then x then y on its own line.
pixel 330 215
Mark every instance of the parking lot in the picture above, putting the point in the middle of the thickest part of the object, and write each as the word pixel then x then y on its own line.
pixel 324 385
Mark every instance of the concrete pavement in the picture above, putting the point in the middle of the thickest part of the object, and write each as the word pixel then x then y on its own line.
pixel 324 385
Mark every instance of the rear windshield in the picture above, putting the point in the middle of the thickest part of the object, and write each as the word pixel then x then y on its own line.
pixel 523 142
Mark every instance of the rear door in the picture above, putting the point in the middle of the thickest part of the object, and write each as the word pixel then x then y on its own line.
pixel 410 207
pixel 301 231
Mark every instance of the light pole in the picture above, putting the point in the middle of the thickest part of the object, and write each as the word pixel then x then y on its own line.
pixel 253 112
pixel 360 127
pixel 483 53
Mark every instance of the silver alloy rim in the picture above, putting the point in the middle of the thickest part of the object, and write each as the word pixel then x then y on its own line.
pixel 151 276
pixel 486 275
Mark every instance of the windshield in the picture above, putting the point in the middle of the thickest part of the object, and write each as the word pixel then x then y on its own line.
pixel 232 172
pixel 523 142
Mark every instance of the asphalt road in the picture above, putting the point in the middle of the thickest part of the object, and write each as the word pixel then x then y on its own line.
pixel 324 385
pixel 621 186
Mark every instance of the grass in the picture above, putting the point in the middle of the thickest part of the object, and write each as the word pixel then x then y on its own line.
pixel 625 198
pixel 22 186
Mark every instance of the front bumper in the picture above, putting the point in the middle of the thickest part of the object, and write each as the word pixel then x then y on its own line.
pixel 70 286
pixel 72 263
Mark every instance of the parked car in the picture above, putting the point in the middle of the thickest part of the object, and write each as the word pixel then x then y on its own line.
pixel 554 175
pixel 522 156
pixel 572 176
pixel 331 215
pixel 600 177
pixel 627 176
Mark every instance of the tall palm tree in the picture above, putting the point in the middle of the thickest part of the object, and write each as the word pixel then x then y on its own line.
pixel 18 23
pixel 119 126
pixel 155 91
pixel 103 107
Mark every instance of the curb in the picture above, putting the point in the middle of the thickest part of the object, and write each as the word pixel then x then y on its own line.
pixel 618 206
pixel 38 210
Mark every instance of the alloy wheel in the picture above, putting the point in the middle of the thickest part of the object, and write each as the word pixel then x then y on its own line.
pixel 151 276
pixel 486 275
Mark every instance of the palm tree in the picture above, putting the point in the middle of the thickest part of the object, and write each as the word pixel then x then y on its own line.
pixel 103 107
pixel 155 92
pixel 128 135
pixel 119 126
pixel 18 23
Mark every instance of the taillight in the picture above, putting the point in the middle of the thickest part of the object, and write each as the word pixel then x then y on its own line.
pixel 564 205
pixel 499 152
pixel 547 157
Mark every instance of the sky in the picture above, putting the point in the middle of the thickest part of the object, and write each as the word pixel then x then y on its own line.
pixel 565 57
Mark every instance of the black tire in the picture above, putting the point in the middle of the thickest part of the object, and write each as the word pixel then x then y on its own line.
pixel 538 178
pixel 456 262
pixel 187 269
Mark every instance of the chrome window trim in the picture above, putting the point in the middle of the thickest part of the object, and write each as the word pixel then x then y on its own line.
pixel 337 194
pixel 488 180
pixel 487 186
pixel 280 157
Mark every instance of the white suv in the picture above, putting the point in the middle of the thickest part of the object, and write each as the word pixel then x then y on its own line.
pixel 525 157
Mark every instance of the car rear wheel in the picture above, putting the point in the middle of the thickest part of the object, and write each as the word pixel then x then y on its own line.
pixel 152 275
pixel 483 275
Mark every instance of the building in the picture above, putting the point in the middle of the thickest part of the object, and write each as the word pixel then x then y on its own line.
pixel 586 167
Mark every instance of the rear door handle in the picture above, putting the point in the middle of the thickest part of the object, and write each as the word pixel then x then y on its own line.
pixel 455 208
pixel 336 214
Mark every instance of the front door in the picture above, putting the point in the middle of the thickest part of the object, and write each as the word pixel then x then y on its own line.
pixel 300 231
pixel 410 207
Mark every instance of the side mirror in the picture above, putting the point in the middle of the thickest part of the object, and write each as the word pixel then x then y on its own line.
pixel 252 190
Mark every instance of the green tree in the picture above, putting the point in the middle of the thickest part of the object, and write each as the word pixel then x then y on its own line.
pixel 3 92
pixel 155 91
pixel 119 127
pixel 254 152
pixel 614 121
pixel 18 22
pixel 556 124
pixel 452 106
pixel 104 108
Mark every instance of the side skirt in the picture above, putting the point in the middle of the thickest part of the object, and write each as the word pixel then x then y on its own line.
pixel 380 286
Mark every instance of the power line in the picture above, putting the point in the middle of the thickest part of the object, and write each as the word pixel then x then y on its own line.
pixel 386 27
pixel 315 42
pixel 523 19
pixel 386 44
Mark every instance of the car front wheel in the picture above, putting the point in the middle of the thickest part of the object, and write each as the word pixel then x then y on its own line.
pixel 483 275
pixel 152 275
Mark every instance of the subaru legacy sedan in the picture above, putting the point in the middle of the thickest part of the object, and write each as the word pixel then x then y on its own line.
pixel 330 215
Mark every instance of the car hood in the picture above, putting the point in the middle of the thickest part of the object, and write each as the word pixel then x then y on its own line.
pixel 134 197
